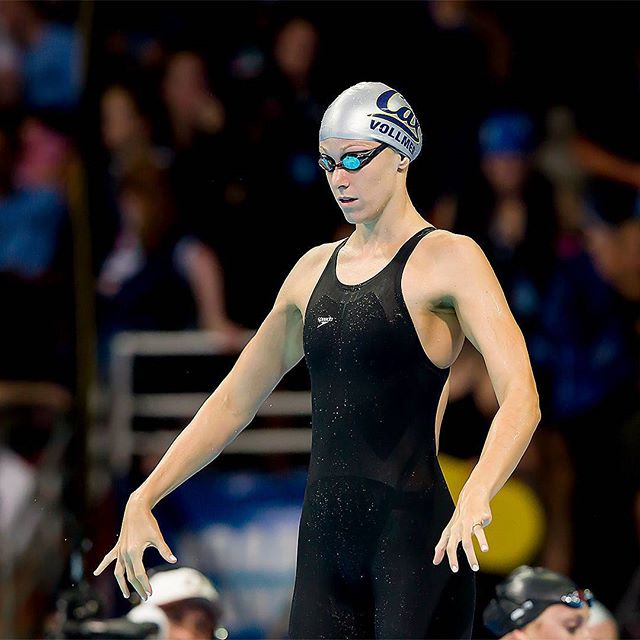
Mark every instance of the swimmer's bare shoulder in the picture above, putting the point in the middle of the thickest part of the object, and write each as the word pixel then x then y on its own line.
pixel 446 264
pixel 457 276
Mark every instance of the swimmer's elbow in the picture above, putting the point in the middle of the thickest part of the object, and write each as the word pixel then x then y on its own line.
pixel 530 403
pixel 523 396
pixel 537 412
pixel 241 398
pixel 534 401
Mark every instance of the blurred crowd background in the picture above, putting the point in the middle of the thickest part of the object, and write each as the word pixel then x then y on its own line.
pixel 158 173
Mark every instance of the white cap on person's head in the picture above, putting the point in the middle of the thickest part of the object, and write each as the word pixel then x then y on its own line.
pixel 183 583
pixel 373 111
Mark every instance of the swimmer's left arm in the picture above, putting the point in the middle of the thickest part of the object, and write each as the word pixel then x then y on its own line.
pixel 488 323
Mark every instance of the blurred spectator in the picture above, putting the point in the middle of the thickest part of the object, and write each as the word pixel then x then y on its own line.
pixel 556 160
pixel 10 86
pixel 157 278
pixel 615 251
pixel 49 56
pixel 534 603
pixel 184 605
pixel 188 599
pixel 192 108
pixel 33 219
pixel 292 109
pixel 451 97
pixel 286 179
pixel 607 144
pixel 590 316
pixel 196 131
pixel 30 215
pixel 588 348
pixel 126 132
pixel 510 212
pixel 127 138
pixel 17 484
pixel 295 52
pixel 44 156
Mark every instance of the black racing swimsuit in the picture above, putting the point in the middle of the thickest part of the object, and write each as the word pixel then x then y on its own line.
pixel 376 501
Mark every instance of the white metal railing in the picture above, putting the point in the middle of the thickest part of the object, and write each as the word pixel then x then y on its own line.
pixel 126 405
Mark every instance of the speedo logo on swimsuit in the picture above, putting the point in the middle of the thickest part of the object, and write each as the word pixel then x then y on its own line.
pixel 324 320
pixel 405 129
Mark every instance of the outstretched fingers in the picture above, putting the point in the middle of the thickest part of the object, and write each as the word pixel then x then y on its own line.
pixel 119 573
pixel 441 546
pixel 136 573
pixel 452 549
pixel 467 545
pixel 481 537
pixel 129 566
pixel 448 544
pixel 164 550
pixel 452 536
pixel 106 561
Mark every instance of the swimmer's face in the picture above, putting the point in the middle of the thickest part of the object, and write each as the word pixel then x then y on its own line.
pixel 372 186
pixel 557 622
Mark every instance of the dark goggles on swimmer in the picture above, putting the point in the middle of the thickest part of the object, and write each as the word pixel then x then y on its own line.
pixel 352 160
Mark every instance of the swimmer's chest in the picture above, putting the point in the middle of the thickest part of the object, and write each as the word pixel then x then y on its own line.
pixel 389 317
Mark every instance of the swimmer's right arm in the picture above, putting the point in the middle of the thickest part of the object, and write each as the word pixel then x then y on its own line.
pixel 274 349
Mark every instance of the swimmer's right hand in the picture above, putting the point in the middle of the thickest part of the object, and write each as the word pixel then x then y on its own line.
pixel 139 530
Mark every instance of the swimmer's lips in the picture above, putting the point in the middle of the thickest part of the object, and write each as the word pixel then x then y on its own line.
pixel 347 200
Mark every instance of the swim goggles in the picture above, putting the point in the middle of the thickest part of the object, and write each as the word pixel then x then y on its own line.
pixel 351 161
pixel 574 599
pixel 577 598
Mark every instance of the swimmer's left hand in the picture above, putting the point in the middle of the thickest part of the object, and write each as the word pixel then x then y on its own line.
pixel 472 507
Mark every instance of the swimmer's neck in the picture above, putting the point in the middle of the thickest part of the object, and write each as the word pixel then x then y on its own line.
pixel 397 222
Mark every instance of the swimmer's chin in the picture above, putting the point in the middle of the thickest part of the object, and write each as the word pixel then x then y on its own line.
pixel 354 214
pixel 351 218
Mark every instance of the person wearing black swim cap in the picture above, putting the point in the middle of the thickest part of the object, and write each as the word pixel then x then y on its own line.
pixel 534 603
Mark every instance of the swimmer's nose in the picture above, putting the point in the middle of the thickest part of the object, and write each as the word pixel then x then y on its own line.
pixel 339 178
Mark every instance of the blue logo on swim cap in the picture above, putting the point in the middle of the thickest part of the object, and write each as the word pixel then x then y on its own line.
pixel 403 117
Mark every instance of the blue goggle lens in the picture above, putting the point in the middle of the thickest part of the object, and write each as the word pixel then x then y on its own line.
pixel 351 162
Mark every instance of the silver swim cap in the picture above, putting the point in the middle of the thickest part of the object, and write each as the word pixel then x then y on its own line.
pixel 373 111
